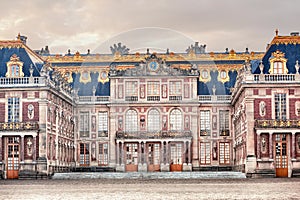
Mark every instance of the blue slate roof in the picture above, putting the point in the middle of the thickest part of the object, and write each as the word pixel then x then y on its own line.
pixel 292 54
pixel 6 53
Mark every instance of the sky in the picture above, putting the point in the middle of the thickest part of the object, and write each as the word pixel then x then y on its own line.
pixel 139 24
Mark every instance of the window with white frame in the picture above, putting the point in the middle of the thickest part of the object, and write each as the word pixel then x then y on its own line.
pixel 175 88
pixel 278 67
pixel 176 120
pixel 280 106
pixel 153 120
pixel 84 154
pixel 13 109
pixel 131 88
pixel 84 124
pixel 205 122
pixel 224 152
pixel 224 122
pixel 131 121
pixel 103 122
pixel 205 153
pixel 153 88
pixel 103 154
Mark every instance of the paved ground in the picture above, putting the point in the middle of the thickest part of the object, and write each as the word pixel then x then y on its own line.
pixel 151 189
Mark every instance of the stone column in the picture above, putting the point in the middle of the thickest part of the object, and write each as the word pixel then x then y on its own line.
pixel 22 149
pixel 271 145
pixel 34 149
pixel 1 148
pixel 140 153
pixel 118 153
pixel 189 152
pixel 184 152
pixel 167 153
pixel 258 145
pixel 162 152
pixel 293 146
pixel 122 153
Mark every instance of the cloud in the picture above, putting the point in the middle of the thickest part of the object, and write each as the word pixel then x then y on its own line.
pixel 82 25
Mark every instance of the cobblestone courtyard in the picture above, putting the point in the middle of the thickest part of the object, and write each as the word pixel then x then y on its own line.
pixel 151 189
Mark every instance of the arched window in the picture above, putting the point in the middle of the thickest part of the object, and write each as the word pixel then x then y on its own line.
pixel 131 120
pixel 176 120
pixel 153 120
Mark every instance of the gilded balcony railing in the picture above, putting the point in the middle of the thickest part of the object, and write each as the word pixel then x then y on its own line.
pixel 277 123
pixel 18 126
pixel 153 135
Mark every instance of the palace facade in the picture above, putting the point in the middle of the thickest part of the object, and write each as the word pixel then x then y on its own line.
pixel 193 111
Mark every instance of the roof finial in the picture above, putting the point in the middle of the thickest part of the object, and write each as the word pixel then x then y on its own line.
pixel 276 32
pixel 19 36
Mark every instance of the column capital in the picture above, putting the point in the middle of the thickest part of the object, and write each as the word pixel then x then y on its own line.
pixel 293 132
pixel 270 133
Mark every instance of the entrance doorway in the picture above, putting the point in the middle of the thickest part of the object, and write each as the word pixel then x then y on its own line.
pixel 176 157
pixel 153 157
pixel 13 157
pixel 131 157
pixel 281 157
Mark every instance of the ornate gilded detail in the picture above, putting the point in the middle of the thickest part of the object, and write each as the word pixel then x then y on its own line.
pixel 204 75
pixel 103 77
pixel 77 57
pixel 279 60
pixel 137 57
pixel 286 40
pixel 14 67
pixel 277 124
pixel 11 44
pixel 85 77
pixel 223 76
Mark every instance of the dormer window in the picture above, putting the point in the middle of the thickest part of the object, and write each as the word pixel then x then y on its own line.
pixel 278 63
pixel 278 67
pixel 14 67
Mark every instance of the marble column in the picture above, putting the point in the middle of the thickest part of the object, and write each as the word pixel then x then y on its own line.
pixel 122 153
pixel 293 146
pixel 34 148
pixel 22 149
pixel 258 146
pixel 140 152
pixel 1 148
pixel 271 145
pixel 118 153
pixel 189 152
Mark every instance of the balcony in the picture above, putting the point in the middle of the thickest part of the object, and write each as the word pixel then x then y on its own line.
pixel 22 81
pixel 274 77
pixel 264 124
pixel 214 99
pixel 93 100
pixel 153 135
pixel 19 126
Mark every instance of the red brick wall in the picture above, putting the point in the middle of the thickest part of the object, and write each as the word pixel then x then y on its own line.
pixel 292 108
pixel 25 111
pixel 36 94
pixel 268 103
pixel 2 112
pixel 268 91
pixel 255 91
pixel 2 95
pixel 24 95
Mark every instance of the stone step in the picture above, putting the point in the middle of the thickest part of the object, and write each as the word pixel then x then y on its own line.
pixel 150 175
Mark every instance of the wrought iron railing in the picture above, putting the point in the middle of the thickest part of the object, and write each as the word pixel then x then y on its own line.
pixel 153 135
pixel 18 126
pixel 277 123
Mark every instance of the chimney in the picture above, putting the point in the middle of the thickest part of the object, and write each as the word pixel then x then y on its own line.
pixel 294 33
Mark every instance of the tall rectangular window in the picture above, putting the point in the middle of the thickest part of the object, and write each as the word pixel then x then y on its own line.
pixel 13 109
pixel 175 88
pixel 278 68
pixel 84 154
pixel 131 90
pixel 103 124
pixel 205 153
pixel 224 122
pixel 153 91
pixel 224 152
pixel 103 154
pixel 204 122
pixel 280 106
pixel 84 124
